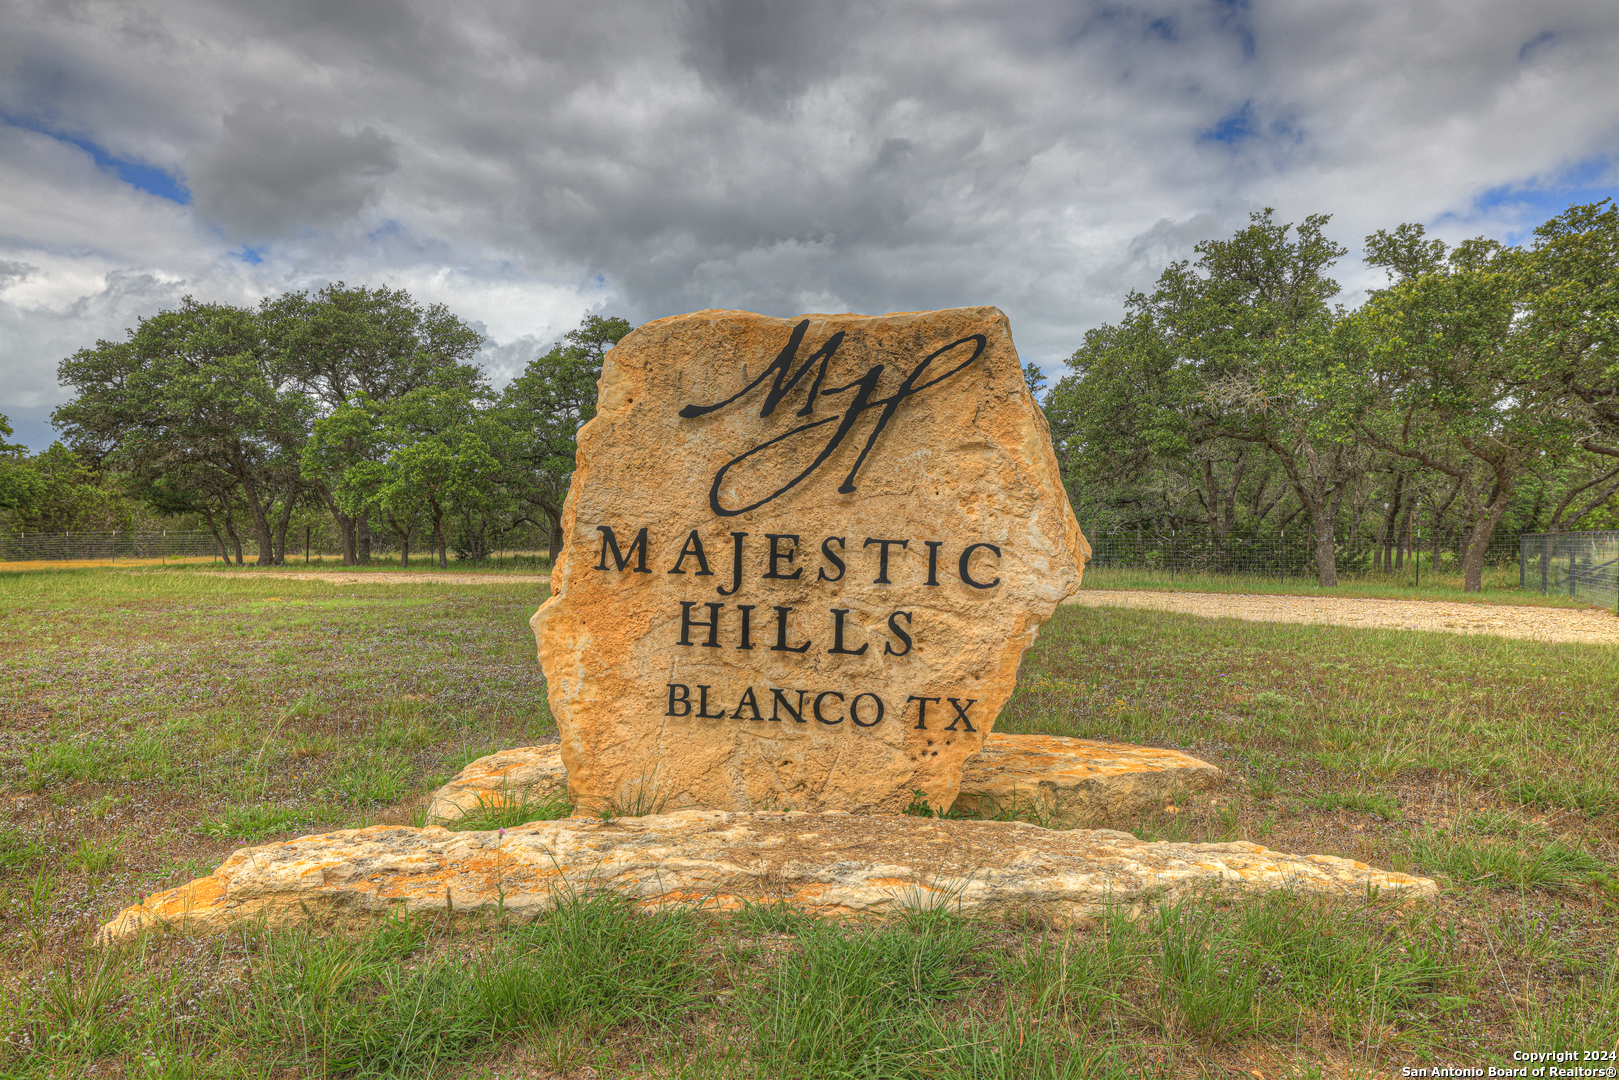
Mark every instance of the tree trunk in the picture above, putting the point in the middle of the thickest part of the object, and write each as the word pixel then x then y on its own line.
pixel 345 524
pixel 1326 551
pixel 1391 523
pixel 261 521
pixel 282 521
pixel 208 516
pixel 230 531
pixel 438 534
pixel 1473 561
pixel 1320 505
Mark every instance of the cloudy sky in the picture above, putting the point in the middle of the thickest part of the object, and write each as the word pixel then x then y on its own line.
pixel 529 162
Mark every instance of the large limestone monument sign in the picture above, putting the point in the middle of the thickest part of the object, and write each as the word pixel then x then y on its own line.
pixel 803 558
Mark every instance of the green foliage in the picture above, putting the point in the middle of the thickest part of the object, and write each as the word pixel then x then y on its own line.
pixel 1477 388
pixel 778 917
pixel 544 407
pixel 57 491
pixel 369 779
pixel 1206 987
pixel 196 391
pixel 1224 361
pixel 68 759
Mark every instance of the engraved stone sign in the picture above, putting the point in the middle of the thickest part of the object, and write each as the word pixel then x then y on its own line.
pixel 802 560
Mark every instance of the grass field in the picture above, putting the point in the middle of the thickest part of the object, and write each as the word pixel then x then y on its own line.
pixel 155 719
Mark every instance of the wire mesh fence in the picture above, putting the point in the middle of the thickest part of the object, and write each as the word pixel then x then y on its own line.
pixel 1282 557
pixel 70 547
pixel 1582 565
pixel 1263 557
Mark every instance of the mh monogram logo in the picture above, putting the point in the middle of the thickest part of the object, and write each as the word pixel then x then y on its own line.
pixel 786 380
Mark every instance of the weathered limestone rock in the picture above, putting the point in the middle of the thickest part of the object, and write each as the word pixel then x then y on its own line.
pixel 531 774
pixel 1062 782
pixel 1066 783
pixel 828 864
pixel 785 540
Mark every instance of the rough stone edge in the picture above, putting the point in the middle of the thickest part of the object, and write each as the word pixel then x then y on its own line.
pixel 1155 786
pixel 205 914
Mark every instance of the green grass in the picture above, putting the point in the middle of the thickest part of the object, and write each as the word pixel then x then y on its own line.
pixel 95 856
pixel 17 849
pixel 1366 802
pixel 1506 865
pixel 600 983
pixel 158 719
pixel 1532 722
pixel 253 821
pixel 513 809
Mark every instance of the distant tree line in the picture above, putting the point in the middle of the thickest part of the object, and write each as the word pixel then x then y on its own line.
pixel 1478 388
pixel 356 402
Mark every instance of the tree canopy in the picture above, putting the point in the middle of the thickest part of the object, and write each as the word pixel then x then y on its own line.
pixel 1482 383
pixel 357 401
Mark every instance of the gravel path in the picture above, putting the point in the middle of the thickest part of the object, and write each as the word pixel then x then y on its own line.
pixel 384 578
pixel 1588 626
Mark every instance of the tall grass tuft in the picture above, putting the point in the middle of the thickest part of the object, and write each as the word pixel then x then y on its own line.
pixel 854 1001
pixel 400 1003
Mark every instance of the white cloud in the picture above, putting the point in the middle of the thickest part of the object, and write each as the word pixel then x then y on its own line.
pixel 525 163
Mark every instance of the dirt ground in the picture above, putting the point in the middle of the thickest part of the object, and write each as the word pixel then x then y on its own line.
pixel 1592 626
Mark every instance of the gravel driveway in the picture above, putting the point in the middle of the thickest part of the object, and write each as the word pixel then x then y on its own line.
pixel 1590 626
pixel 382 577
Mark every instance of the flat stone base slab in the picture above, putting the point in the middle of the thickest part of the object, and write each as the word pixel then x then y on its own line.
pixel 1068 783
pixel 824 863
pixel 1055 781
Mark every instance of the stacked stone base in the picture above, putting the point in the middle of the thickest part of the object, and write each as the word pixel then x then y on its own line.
pixel 1044 779
pixel 823 863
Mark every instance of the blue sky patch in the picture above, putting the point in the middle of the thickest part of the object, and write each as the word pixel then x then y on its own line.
pixel 1539 199
pixel 1233 127
pixel 137 174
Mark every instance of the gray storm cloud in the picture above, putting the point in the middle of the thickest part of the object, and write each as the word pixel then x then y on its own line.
pixel 270 174
pixel 527 162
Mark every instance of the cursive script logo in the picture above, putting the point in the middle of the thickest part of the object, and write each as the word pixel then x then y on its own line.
pixel 786 379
